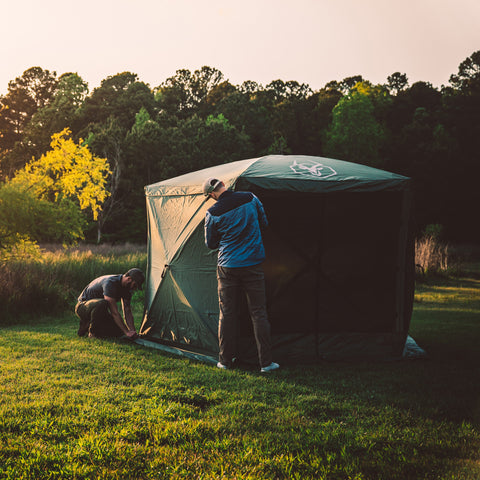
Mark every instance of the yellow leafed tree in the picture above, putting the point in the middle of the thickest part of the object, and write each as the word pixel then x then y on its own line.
pixel 67 171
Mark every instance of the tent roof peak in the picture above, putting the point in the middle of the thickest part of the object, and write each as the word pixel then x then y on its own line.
pixel 286 173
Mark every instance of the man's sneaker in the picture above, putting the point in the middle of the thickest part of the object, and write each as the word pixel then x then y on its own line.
pixel 270 368
pixel 222 366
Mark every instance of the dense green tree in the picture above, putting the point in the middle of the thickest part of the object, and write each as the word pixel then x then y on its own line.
pixel 326 99
pixel 143 150
pixel 356 134
pixel 279 91
pixel 26 94
pixel 105 119
pixel 221 142
pixel 150 152
pixel 186 93
pixel 424 151
pixel 195 143
pixel 144 147
pixel 348 83
pixel 204 81
pixel 296 121
pixel 108 141
pixel 121 97
pixel 344 86
pixel 249 87
pixel 218 93
pixel 174 96
pixel 397 82
pixel 279 118
pixel 60 113
pixel 249 116
pixel 468 75
pixel 461 117
pixel 419 147
pixel 404 105
pixel 290 115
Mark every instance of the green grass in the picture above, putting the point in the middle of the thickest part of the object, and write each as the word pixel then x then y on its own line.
pixel 78 408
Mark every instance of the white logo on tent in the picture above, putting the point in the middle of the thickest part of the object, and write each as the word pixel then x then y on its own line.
pixel 310 167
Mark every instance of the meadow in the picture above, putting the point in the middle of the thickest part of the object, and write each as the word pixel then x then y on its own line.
pixel 80 408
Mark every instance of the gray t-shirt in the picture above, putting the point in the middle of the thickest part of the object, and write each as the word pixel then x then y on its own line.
pixel 108 286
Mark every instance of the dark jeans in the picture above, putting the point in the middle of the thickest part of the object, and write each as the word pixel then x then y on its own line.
pixel 231 283
pixel 97 314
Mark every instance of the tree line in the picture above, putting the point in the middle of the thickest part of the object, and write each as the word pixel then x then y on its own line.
pixel 194 120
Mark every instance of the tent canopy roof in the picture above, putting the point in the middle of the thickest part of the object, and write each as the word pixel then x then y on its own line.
pixel 285 173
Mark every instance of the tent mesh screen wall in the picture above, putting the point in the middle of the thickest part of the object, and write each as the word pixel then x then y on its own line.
pixel 331 273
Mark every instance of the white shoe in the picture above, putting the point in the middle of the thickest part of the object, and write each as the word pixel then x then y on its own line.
pixel 269 368
pixel 222 366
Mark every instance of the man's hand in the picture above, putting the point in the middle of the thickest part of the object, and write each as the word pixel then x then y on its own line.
pixel 132 335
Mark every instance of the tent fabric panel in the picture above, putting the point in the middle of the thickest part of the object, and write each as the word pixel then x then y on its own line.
pixel 186 303
pixel 179 217
pixel 173 318
pixel 191 183
pixel 171 221
pixel 316 174
pixel 155 253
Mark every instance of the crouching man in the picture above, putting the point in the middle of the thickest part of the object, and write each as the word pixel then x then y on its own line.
pixel 97 305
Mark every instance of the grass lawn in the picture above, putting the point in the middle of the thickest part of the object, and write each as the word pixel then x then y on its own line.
pixel 77 408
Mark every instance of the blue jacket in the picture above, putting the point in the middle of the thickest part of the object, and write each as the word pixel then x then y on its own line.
pixel 233 226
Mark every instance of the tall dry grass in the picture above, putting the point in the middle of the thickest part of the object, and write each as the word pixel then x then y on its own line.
pixel 431 256
pixel 51 282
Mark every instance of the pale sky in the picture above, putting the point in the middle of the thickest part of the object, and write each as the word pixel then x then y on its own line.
pixel 310 41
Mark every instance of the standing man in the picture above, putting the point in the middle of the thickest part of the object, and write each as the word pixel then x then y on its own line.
pixel 97 305
pixel 233 226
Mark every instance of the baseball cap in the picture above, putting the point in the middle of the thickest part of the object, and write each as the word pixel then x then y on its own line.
pixel 137 276
pixel 210 184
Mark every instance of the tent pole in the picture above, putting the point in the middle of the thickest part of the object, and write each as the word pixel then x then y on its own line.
pixel 176 351
pixel 401 261
pixel 318 274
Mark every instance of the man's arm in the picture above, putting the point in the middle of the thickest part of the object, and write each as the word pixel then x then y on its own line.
pixel 128 315
pixel 212 239
pixel 262 218
pixel 116 314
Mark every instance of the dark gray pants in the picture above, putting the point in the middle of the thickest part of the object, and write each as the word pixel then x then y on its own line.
pixel 96 314
pixel 231 283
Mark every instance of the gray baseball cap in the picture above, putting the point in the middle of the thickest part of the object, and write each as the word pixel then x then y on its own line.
pixel 210 184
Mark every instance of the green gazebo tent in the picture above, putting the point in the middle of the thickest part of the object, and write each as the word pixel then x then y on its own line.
pixel 339 268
